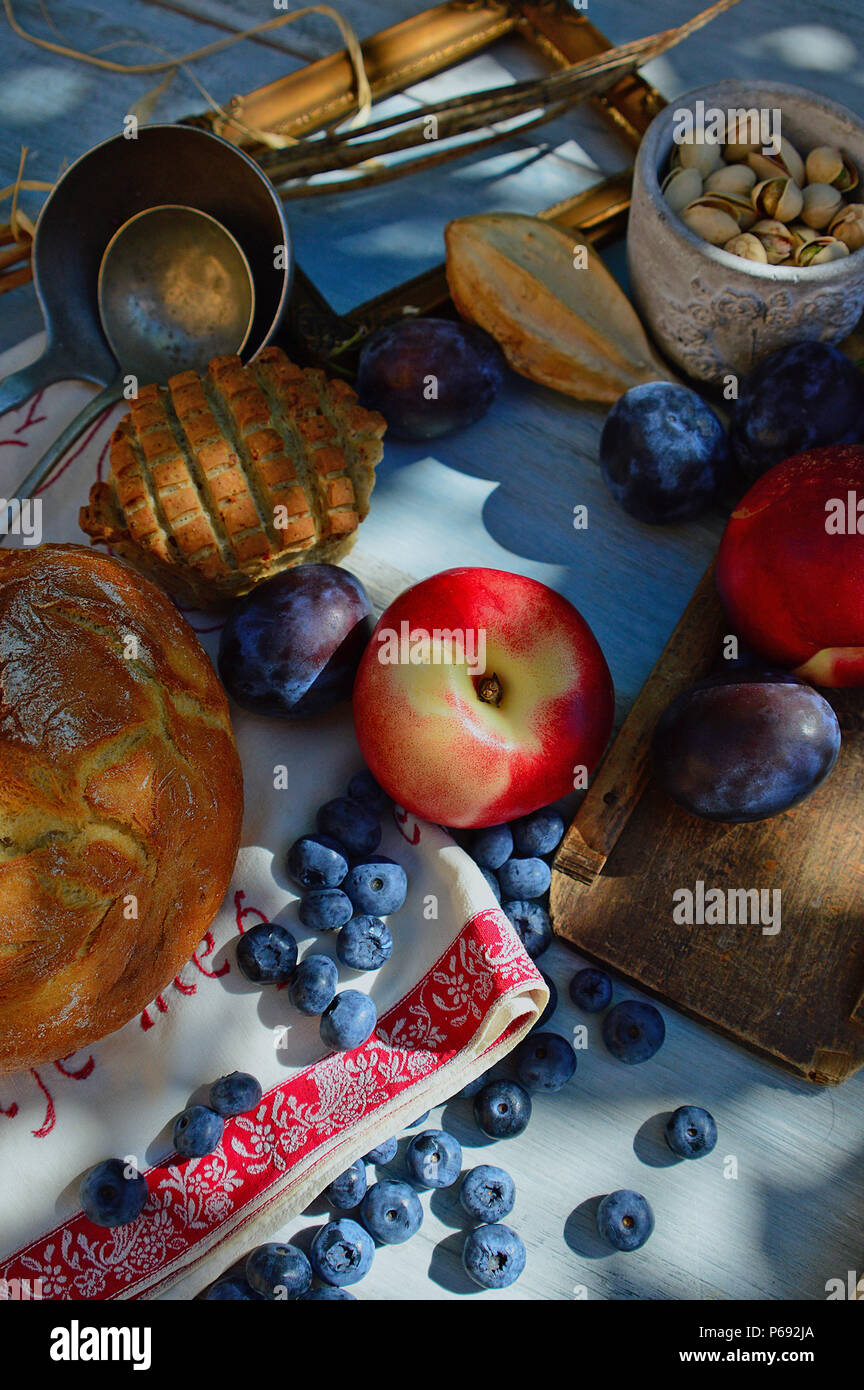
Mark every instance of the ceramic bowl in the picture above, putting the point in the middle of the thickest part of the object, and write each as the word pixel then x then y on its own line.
pixel 711 312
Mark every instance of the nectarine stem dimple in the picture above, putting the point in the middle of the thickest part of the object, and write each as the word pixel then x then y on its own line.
pixel 489 690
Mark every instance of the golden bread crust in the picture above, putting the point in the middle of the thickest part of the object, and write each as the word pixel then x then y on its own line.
pixel 121 798
pixel 220 481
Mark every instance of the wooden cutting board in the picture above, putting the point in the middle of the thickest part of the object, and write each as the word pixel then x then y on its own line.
pixel 797 994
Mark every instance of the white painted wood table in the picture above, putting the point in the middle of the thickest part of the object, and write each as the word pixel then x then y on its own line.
pixel 502 494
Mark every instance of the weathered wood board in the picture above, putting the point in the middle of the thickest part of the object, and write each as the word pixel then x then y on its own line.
pixel 790 984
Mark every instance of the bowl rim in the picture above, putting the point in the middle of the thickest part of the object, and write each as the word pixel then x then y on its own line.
pixel 651 155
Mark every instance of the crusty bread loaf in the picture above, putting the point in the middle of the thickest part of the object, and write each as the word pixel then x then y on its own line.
pixel 121 798
pixel 218 482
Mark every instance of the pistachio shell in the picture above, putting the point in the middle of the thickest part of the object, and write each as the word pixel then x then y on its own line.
pixel 682 186
pixel 778 197
pixel 732 178
pixel 748 246
pixel 826 164
pixel 705 158
pixel 821 205
pixel 801 234
pixel 820 251
pixel 738 144
pixel 712 223
pixel 734 205
pixel 776 239
pixel 848 226
pixel 788 162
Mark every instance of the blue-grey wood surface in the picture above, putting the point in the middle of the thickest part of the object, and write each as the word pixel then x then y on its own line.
pixel 502 493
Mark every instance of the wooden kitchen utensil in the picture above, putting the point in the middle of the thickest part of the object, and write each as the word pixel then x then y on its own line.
pixel 797 994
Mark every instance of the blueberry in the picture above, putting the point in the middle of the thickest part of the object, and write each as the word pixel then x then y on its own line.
pixel 233 1287
pixel 553 1001
pixel 112 1193
pixel 434 1158
pixel 317 861
pixel 663 452
pixel 691 1131
pixel 391 1211
pixel 348 1190
pixel 376 885
pixel 492 846
pixel 524 878
pixel 328 1294
pixel 544 1061
pixel 487 1193
pixel 796 399
pixel 493 1256
pixel 633 1031
pixel 625 1219
pixel 532 924
pixel 267 954
pixel 419 1120
pixel 314 984
pixel 352 824
pixel 278 1271
pixel 325 909
pixel 234 1094
pixel 342 1252
pixel 382 1153
pixel 502 1109
pixel 492 879
pixel 591 990
pixel 364 943
pixel 474 1086
pixel 348 1020
pixel 197 1131
pixel 365 789
pixel 539 833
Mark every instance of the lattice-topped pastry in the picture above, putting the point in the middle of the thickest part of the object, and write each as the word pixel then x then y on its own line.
pixel 220 481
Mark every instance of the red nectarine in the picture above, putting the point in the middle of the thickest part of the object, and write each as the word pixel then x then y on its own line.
pixel 479 696
pixel 790 569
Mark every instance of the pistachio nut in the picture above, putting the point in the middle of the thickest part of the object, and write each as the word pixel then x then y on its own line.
pixel 738 144
pixel 778 197
pixel 734 204
pixel 682 186
pixel 801 234
pixel 826 164
pixel 748 246
pixel 821 205
pixel 732 178
pixel 820 251
pixel 787 162
pixel 705 158
pixel 848 226
pixel 776 239
pixel 713 224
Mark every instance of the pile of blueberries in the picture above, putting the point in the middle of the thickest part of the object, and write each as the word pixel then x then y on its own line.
pixel 347 887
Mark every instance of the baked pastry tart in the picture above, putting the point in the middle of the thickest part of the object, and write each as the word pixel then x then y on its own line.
pixel 220 481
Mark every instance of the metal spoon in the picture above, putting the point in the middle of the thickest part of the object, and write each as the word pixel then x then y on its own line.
pixel 175 289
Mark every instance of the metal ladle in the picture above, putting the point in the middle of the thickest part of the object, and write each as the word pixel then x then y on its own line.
pixel 175 289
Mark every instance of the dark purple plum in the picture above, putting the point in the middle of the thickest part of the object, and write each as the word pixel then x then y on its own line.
pixel 796 399
pixel 291 648
pixel 664 454
pixel 429 376
pixel 745 744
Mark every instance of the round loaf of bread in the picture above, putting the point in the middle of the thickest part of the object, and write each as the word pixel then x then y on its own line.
pixel 121 798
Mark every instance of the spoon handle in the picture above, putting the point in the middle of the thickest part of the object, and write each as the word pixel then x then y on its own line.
pixel 10 510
